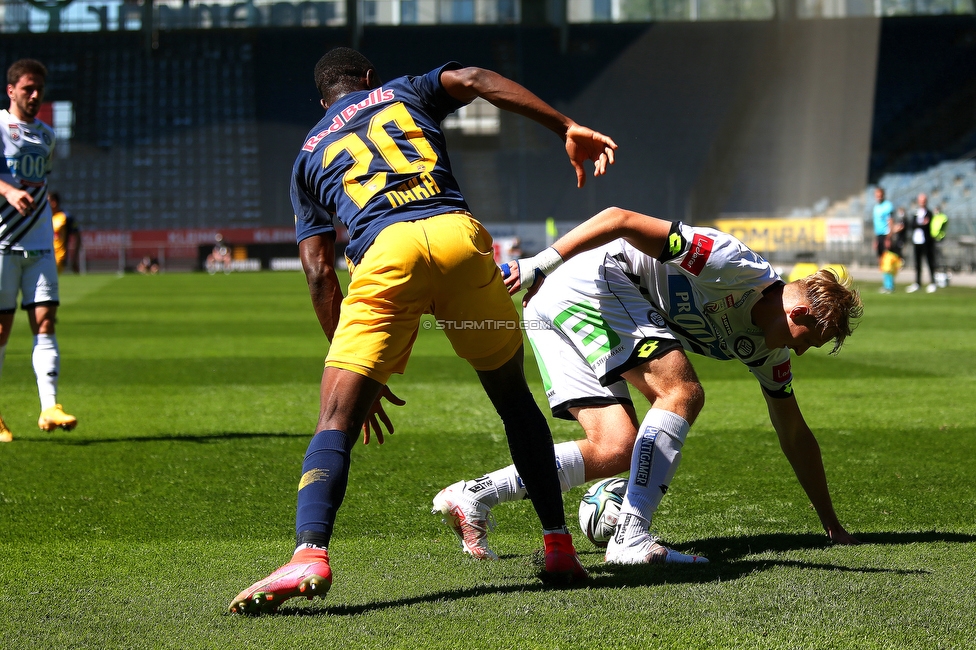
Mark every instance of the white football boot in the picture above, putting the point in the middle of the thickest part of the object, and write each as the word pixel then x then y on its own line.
pixel 632 543
pixel 647 549
pixel 468 518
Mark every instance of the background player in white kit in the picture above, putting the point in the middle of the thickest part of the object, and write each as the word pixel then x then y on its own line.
pixel 27 263
pixel 622 312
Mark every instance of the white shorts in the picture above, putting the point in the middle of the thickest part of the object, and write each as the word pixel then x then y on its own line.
pixel 33 273
pixel 587 332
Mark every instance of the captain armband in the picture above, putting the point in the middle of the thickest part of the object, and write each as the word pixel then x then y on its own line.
pixel 675 245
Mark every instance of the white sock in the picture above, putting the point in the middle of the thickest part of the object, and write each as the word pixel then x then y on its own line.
pixel 505 484
pixel 657 453
pixel 47 365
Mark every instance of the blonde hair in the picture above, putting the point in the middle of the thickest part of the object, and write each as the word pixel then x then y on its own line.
pixel 834 302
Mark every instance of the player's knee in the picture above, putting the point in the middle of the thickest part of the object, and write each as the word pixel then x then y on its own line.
pixel 693 396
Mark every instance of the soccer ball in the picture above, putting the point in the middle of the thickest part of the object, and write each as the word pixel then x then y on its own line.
pixel 599 509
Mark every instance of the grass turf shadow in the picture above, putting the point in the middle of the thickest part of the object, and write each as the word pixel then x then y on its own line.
pixel 72 441
pixel 724 549
pixel 727 563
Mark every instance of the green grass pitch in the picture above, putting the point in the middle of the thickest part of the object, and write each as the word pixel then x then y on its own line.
pixel 197 395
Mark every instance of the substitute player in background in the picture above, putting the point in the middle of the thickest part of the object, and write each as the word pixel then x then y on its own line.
pixel 626 311
pixel 27 264
pixel 65 231
pixel 378 163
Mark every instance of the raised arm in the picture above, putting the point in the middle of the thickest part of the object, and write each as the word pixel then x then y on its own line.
pixel 803 452
pixel 582 143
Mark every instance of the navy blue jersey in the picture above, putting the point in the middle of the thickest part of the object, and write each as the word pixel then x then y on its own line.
pixel 377 157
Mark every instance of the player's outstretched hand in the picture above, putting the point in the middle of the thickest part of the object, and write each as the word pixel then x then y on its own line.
pixel 584 144
pixel 378 414
pixel 841 536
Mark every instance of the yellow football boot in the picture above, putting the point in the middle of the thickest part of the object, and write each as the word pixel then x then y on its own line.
pixel 54 417
pixel 5 435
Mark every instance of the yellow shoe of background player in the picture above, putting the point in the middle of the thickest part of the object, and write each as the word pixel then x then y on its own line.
pixel 54 417
pixel 5 435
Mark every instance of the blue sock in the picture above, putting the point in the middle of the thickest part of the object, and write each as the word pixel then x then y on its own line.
pixel 325 473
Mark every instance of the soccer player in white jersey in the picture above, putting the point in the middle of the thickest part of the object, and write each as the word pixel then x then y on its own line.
pixel 624 311
pixel 27 263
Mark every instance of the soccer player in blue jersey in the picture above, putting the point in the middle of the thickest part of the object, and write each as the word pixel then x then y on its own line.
pixel 378 163
pixel 27 264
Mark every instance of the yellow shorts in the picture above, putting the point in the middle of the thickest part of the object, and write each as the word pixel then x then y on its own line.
pixel 442 265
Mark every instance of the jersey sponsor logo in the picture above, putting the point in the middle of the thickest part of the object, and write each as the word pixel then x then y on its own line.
pixel 744 347
pixel 728 302
pixel 738 303
pixel 698 254
pixel 782 372
pixel 726 324
pixel 655 319
pixel 15 132
pixel 378 96
pixel 691 323
pixel 587 329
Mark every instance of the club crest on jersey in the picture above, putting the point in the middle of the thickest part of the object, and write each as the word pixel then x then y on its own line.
pixel 379 96
pixel 15 132
pixel 698 254
pixel 744 347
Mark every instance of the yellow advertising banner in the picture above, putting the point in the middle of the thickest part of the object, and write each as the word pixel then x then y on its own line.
pixel 784 234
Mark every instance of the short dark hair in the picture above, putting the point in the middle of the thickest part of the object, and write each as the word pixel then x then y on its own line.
pixel 340 69
pixel 55 196
pixel 25 66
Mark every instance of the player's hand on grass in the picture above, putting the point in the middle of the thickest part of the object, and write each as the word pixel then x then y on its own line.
pixel 840 536
pixel 378 414
pixel 584 144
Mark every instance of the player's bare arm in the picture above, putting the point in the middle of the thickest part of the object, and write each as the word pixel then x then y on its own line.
pixel 802 450
pixel 581 143
pixel 318 261
pixel 22 201
pixel 647 234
